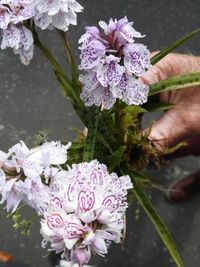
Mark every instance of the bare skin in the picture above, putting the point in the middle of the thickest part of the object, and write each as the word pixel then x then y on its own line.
pixel 183 121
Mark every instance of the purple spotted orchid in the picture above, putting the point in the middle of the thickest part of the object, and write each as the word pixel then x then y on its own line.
pixel 16 15
pixel 56 14
pixel 112 58
pixel 13 15
pixel 86 211
pixel 21 170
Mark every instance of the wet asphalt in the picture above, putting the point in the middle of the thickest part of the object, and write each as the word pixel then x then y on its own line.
pixel 30 100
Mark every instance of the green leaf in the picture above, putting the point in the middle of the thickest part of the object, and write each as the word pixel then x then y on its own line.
pixel 41 136
pixel 173 46
pixel 160 226
pixel 104 142
pixel 64 85
pixel 115 159
pixel 175 83
pixel 20 222
pixel 152 107
pixel 107 130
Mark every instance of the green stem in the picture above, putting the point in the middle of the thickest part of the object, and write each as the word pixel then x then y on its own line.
pixel 50 57
pixel 61 76
pixel 70 58
pixel 73 92
pixel 91 136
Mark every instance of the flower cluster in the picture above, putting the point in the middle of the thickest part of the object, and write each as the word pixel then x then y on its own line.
pixel 22 170
pixel 82 209
pixel 113 61
pixel 86 211
pixel 17 16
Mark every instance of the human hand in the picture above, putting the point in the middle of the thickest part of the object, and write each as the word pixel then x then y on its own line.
pixel 183 121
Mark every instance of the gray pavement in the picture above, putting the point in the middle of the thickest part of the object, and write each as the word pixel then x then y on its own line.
pixel 30 101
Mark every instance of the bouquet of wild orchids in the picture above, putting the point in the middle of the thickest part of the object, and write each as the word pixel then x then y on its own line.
pixel 81 189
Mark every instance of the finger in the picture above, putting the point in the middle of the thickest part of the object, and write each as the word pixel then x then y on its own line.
pixel 173 64
pixel 168 131
pixel 162 70
pixel 184 189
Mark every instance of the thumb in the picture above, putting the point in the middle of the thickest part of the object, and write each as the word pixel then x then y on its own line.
pixel 164 69
pixel 173 64
pixel 168 130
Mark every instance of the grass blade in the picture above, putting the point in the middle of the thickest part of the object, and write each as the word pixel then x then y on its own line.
pixel 160 226
pixel 175 83
pixel 173 46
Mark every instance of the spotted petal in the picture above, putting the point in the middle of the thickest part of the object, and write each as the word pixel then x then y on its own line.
pixel 136 58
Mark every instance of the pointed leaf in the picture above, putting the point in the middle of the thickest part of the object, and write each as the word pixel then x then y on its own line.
pixel 152 107
pixel 173 46
pixel 41 136
pixel 175 83
pixel 116 158
pixel 160 226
